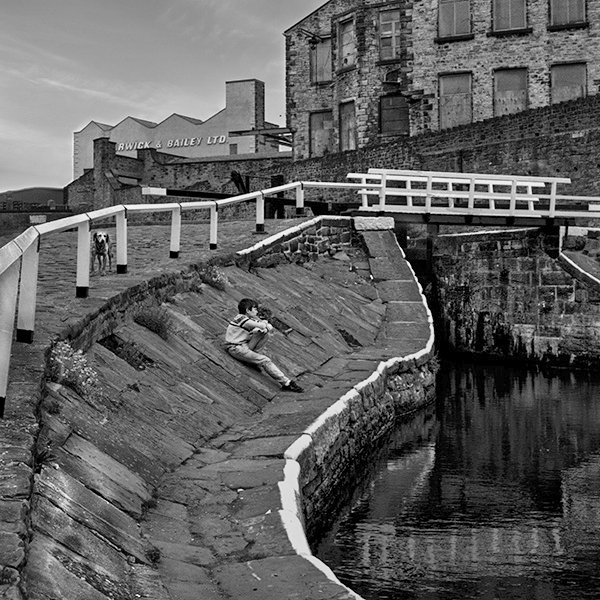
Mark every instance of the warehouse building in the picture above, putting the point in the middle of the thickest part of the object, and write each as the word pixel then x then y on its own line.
pixel 361 71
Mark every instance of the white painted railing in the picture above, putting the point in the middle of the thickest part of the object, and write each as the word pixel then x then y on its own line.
pixel 424 192
pixel 438 192
pixel 19 258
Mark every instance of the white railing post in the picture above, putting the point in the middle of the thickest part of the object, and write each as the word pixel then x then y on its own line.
pixel 552 208
pixel 28 293
pixel 121 226
pixel 472 193
pixel 9 281
pixel 513 197
pixel 175 232
pixel 364 197
pixel 83 260
pixel 214 223
pixel 382 191
pixel 428 193
pixel 300 199
pixel 260 213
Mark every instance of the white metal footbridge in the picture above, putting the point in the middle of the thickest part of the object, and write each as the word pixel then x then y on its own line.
pixel 425 196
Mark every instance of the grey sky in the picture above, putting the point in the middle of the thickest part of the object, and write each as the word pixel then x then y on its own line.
pixel 67 62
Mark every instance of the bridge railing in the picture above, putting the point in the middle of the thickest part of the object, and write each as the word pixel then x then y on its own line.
pixel 424 191
pixel 19 259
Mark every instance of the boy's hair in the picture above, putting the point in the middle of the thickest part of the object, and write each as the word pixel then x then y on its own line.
pixel 246 304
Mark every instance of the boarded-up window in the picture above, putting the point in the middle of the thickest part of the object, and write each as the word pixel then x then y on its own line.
pixel 347 44
pixel 509 14
pixel 455 100
pixel 320 61
pixel 510 91
pixel 393 112
pixel 321 133
pixel 389 34
pixel 454 17
pixel 563 12
pixel 347 126
pixel 568 82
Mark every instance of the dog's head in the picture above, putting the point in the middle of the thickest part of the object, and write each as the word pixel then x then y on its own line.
pixel 101 240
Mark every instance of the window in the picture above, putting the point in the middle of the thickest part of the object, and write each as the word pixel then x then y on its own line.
pixel 389 34
pixel 393 114
pixel 563 12
pixel 568 82
pixel 347 45
pixel 455 100
pixel 320 61
pixel 509 14
pixel 347 126
pixel 233 148
pixel 321 133
pixel 510 91
pixel 454 17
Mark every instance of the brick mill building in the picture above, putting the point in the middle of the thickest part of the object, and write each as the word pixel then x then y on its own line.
pixel 359 72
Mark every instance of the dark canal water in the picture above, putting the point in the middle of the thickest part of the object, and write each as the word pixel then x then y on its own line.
pixel 494 493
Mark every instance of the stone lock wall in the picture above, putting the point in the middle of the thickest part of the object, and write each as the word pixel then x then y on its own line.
pixel 343 440
pixel 502 295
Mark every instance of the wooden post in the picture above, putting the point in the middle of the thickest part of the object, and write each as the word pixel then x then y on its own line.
pixel 300 199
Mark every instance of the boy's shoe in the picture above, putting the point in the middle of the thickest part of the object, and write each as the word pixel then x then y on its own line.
pixel 292 386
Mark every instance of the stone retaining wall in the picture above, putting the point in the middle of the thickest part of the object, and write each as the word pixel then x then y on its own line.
pixel 502 295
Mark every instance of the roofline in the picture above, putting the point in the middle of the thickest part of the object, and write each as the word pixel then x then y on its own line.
pixel 306 17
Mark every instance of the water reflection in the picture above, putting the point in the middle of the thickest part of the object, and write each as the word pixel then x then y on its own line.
pixel 497 495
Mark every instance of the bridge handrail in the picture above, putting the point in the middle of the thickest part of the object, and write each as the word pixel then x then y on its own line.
pixel 450 180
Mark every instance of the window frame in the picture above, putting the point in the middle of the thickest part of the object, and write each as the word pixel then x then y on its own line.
pixel 514 70
pixel 312 151
pixel 352 139
pixel 342 23
pixel 455 33
pixel 522 27
pixel 383 110
pixel 446 76
pixel 568 23
pixel 555 67
pixel 314 61
pixel 395 33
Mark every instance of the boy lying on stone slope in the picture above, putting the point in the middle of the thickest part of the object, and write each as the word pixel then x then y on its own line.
pixel 246 334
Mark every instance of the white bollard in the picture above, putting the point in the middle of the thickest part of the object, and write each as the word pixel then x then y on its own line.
pixel 260 214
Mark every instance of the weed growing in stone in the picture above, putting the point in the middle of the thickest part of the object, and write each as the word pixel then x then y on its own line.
pixel 155 318
pixel 212 275
pixel 70 367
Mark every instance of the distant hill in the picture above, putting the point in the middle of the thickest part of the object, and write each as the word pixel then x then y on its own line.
pixel 38 195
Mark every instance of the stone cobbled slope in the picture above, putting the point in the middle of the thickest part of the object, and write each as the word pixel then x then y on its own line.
pixel 164 483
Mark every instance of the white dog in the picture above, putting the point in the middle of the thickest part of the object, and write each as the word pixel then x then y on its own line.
pixel 101 251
